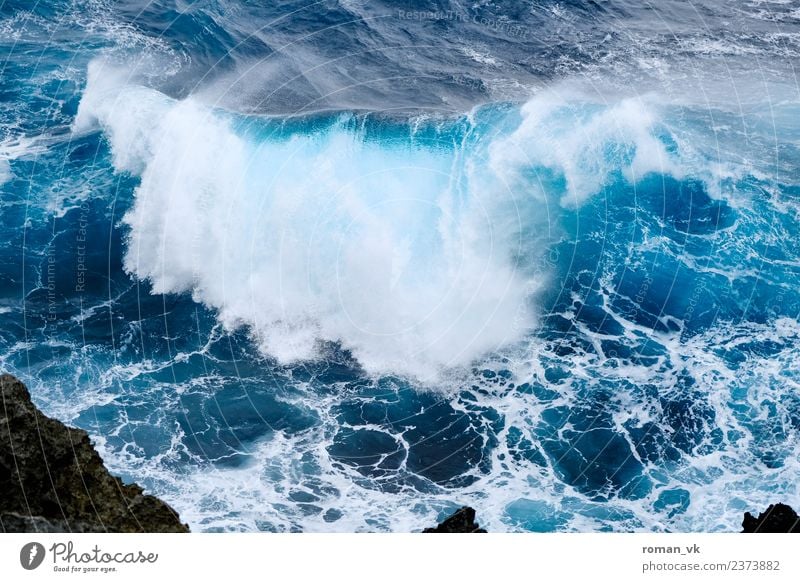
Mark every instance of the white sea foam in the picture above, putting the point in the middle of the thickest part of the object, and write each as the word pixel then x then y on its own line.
pixel 404 253
pixel 585 141
pixel 12 149
pixel 5 171
pixel 722 482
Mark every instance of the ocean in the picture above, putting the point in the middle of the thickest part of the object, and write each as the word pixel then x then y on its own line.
pixel 349 265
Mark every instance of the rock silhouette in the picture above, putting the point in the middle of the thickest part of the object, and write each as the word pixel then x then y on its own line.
pixel 53 480
pixel 778 518
pixel 462 521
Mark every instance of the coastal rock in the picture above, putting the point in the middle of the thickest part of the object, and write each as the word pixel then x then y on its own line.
pixel 778 518
pixel 462 521
pixel 53 480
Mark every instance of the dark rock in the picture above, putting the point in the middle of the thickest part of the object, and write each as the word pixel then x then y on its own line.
pixel 778 518
pixel 52 479
pixel 462 521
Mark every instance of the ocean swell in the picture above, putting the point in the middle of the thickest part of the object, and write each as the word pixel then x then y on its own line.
pixel 397 244
pixel 409 244
pixel 552 275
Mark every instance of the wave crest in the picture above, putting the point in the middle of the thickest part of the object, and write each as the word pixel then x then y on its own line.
pixel 401 246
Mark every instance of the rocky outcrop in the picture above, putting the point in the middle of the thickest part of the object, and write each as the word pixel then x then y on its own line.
pixel 462 521
pixel 53 480
pixel 778 518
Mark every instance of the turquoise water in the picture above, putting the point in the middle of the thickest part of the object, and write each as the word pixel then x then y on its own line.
pixel 570 301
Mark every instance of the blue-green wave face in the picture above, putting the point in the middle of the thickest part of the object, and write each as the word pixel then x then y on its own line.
pixel 346 269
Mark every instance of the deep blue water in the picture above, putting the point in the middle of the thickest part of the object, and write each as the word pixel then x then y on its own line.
pixel 345 266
